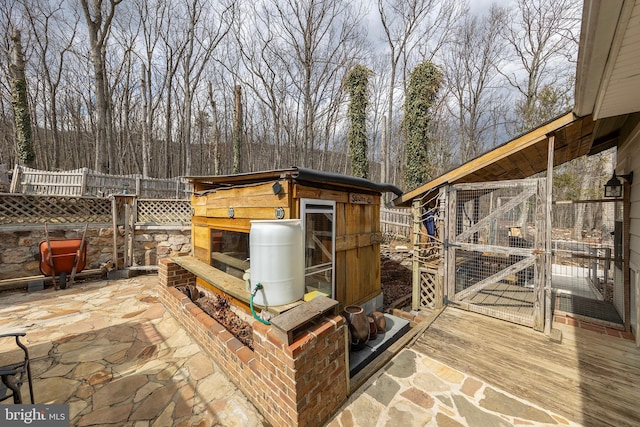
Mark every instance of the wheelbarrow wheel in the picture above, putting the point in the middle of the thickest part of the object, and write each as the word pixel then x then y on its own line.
pixel 62 278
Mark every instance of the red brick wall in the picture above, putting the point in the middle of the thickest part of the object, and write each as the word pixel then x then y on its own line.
pixel 301 384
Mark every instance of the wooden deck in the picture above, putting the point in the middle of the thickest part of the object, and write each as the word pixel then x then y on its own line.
pixel 503 300
pixel 590 378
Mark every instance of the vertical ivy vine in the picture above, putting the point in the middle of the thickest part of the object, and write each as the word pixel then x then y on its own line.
pixel 357 82
pixel 424 83
pixel 24 144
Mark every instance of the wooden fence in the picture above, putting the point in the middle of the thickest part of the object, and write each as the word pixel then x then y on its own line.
pixel 27 211
pixel 396 223
pixel 34 210
pixel 85 182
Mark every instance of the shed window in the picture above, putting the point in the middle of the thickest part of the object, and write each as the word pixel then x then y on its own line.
pixel 319 240
pixel 230 251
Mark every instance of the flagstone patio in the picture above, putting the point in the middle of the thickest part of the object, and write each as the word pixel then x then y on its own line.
pixel 113 353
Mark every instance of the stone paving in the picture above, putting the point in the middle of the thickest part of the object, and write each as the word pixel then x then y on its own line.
pixel 416 390
pixel 111 352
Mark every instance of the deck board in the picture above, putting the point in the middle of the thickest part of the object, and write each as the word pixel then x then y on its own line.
pixel 590 378
pixel 514 302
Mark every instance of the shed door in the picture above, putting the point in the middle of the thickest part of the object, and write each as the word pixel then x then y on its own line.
pixel 494 256
pixel 318 221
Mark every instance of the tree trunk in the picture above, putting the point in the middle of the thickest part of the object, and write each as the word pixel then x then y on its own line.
pixel 24 143
pixel 146 121
pixel 237 131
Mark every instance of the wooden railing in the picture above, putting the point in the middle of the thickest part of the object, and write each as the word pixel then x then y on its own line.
pixel 85 182
pixel 396 222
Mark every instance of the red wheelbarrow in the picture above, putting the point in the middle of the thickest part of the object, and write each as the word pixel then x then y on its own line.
pixel 62 258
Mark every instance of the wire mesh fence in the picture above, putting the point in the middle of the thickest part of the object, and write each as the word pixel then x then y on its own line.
pixel 585 279
pixel 495 229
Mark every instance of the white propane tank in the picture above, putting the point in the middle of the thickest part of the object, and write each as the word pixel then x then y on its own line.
pixel 277 261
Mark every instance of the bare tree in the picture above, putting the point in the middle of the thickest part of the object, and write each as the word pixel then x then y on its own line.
pixel 319 41
pixel 154 16
pixel 55 32
pixel 542 36
pixel 473 59
pixel 99 17
pixel 204 29
pixel 237 129
pixel 409 26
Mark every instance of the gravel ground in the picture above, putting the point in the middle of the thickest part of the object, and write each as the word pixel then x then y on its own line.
pixel 395 275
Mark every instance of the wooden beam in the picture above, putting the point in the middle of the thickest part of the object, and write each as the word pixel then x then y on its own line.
pixel 548 319
pixel 522 197
pixel 416 209
pixel 225 282
pixel 287 324
pixel 514 268
pixel 499 153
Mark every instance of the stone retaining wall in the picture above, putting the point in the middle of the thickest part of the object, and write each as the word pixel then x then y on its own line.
pixel 301 384
pixel 19 256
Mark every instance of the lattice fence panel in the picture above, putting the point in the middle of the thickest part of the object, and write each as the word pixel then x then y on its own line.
pixel 16 209
pixel 164 212
pixel 428 286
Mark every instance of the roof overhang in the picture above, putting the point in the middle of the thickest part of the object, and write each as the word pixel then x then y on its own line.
pixel 519 158
pixel 607 77
pixel 298 174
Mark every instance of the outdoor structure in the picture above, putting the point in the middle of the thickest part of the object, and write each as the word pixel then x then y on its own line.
pixel 298 371
pixel 490 238
pixel 340 217
pixel 608 86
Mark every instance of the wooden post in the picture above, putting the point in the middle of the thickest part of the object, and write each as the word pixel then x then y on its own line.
pixel 133 219
pixel 548 316
pixel 540 254
pixel 626 253
pixel 15 179
pixel 83 182
pixel 114 216
pixel 417 216
pixel 125 252
pixel 450 251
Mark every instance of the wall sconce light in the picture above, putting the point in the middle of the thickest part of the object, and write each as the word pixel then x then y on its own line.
pixel 230 212
pixel 613 187
pixel 276 187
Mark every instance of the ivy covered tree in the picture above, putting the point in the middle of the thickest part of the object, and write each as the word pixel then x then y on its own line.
pixel 424 83
pixel 24 145
pixel 357 85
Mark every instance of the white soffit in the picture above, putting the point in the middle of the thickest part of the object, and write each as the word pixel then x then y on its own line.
pixel 620 88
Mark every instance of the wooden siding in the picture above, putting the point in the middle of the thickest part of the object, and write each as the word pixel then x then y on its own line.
pixel 249 202
pixel 621 79
pixel 590 378
pixel 201 238
pixel 357 266
pixel 629 160
pixel 358 236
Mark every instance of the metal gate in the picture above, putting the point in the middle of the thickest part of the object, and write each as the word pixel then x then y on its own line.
pixel 494 249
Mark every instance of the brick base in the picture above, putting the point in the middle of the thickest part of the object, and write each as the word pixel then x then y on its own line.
pixel 301 384
pixel 605 329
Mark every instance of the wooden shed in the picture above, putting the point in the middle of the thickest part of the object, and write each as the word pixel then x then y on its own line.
pixel 341 225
